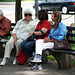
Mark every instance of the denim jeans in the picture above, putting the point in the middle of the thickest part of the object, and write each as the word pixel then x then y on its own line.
pixel 28 47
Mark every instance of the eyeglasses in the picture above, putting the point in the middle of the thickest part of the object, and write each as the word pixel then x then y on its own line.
pixel 27 14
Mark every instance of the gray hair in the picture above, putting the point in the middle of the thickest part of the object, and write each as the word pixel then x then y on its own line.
pixel 1 12
pixel 27 10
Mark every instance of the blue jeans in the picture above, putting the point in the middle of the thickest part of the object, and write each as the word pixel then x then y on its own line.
pixel 28 47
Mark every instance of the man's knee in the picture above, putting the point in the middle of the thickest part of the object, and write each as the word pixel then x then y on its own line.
pixel 27 46
pixel 9 42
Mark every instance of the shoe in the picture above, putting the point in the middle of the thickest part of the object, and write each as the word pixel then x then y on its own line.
pixel 14 62
pixel 39 67
pixel 3 62
pixel 36 59
pixel 34 67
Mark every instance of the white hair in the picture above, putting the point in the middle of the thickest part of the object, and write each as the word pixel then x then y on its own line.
pixel 1 12
pixel 27 10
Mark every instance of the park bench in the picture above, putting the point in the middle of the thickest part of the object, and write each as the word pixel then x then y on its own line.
pixel 63 57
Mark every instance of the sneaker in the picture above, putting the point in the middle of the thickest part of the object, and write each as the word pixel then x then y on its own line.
pixel 14 62
pixel 34 67
pixel 36 59
pixel 3 62
pixel 39 67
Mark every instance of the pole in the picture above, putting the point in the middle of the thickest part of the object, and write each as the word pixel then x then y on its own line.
pixel 36 8
pixel 18 10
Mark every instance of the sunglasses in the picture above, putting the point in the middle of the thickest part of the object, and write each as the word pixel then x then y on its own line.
pixel 27 14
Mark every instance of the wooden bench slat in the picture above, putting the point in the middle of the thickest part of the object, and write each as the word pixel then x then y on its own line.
pixel 70 34
pixel 68 51
pixel 70 28
pixel 71 41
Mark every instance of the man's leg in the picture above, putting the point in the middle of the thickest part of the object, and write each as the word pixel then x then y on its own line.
pixel 18 49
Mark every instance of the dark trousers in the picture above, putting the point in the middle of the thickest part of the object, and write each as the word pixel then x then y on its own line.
pixel 28 47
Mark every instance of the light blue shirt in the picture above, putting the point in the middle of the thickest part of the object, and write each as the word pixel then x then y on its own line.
pixel 60 33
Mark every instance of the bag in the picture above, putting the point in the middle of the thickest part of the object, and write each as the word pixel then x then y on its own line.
pixel 32 38
pixel 21 57
pixel 61 44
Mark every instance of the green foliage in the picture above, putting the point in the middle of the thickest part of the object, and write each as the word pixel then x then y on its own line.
pixel 9 37
pixel 73 46
pixel 50 57
pixel 73 62
pixel 7 0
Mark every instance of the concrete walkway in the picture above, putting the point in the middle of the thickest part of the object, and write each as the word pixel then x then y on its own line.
pixel 50 68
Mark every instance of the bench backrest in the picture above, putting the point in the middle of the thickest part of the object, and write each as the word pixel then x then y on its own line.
pixel 71 34
pixel 13 24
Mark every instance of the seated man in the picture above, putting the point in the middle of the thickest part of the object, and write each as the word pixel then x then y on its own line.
pixel 5 25
pixel 20 32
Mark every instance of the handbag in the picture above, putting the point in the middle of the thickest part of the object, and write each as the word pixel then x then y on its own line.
pixel 61 44
pixel 32 38
pixel 21 57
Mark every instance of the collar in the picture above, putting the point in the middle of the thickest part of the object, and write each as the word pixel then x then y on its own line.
pixel 25 20
pixel 43 21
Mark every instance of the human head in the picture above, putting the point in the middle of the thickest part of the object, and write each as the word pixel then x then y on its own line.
pixel 56 18
pixel 1 14
pixel 42 15
pixel 28 14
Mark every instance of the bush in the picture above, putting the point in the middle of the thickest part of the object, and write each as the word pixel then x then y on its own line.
pixel 7 0
pixel 50 57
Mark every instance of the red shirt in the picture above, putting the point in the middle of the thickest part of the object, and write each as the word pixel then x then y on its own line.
pixel 5 26
pixel 44 24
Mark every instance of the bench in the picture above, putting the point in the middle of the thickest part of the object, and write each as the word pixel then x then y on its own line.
pixel 4 40
pixel 63 57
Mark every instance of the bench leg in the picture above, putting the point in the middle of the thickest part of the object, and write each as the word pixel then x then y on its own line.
pixel 44 57
pixel 64 60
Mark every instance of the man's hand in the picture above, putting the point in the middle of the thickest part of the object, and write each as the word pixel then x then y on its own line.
pixel 31 34
pixel 15 39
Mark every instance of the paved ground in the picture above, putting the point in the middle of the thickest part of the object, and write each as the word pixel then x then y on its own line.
pixel 50 68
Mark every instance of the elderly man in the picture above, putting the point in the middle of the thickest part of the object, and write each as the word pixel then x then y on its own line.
pixel 5 25
pixel 19 33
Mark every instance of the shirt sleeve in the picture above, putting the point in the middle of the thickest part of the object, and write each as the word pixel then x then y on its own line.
pixel 47 25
